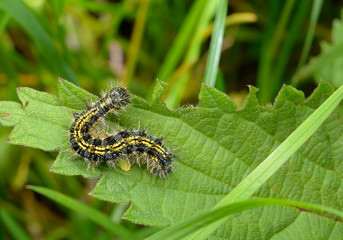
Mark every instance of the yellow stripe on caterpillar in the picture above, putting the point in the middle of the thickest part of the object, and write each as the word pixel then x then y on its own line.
pixel 136 146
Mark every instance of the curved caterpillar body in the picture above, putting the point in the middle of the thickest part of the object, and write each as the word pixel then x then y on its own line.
pixel 137 146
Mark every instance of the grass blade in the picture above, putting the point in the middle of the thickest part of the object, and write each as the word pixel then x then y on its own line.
pixel 135 41
pixel 316 7
pixel 266 84
pixel 192 224
pixel 17 10
pixel 92 214
pixel 216 44
pixel 234 19
pixel 4 18
pixel 12 226
pixel 192 55
pixel 182 40
pixel 289 41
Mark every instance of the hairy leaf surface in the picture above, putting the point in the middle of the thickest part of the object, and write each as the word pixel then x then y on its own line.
pixel 217 146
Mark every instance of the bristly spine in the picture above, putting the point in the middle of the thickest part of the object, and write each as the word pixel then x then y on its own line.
pixel 136 146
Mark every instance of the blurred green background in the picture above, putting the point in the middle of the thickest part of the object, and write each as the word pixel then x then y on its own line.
pixel 93 43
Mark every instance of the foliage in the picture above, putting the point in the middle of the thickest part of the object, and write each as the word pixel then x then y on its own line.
pixel 332 65
pixel 218 142
pixel 215 150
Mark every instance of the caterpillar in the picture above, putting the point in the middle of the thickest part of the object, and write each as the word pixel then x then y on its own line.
pixel 136 146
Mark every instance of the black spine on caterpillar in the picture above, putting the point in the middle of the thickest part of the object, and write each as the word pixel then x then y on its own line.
pixel 137 146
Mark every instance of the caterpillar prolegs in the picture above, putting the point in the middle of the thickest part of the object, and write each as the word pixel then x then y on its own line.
pixel 136 146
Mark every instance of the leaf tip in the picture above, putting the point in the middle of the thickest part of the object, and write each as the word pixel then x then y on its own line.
pixel 251 99
pixel 252 89
pixel 288 94
pixel 61 80
pixel 161 83
pixel 158 90
pixel 18 89
pixel 321 93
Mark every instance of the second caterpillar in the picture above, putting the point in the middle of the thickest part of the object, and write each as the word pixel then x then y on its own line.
pixel 136 146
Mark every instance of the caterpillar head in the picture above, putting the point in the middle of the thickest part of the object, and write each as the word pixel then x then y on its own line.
pixel 119 97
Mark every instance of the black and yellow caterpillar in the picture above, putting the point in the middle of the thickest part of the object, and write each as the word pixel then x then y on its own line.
pixel 136 146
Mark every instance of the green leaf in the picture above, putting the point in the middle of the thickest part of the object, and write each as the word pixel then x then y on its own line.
pixel 10 114
pixel 276 159
pixel 328 66
pixel 41 122
pixel 72 96
pixel 217 147
pixel 332 69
